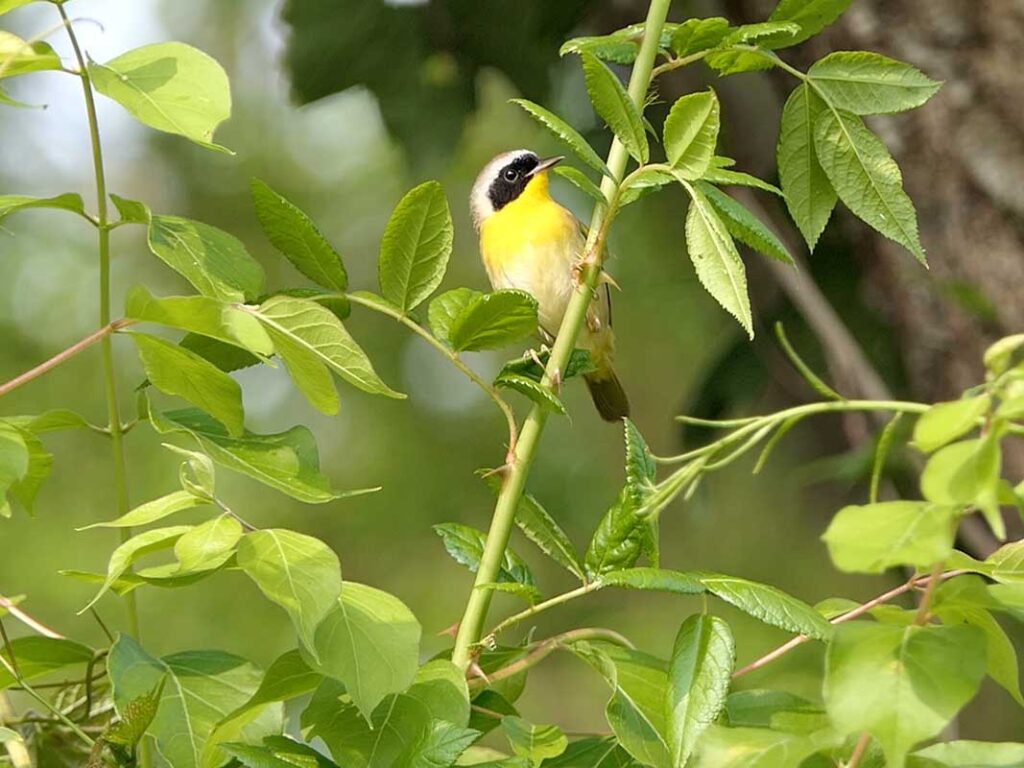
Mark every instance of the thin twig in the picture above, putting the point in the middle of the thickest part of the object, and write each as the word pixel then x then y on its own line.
pixel 28 621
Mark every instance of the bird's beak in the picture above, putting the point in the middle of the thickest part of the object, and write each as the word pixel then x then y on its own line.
pixel 546 163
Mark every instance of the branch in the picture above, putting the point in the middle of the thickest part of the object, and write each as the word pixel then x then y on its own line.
pixel 27 620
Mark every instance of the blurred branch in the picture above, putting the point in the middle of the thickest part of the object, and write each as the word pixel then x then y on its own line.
pixel 27 620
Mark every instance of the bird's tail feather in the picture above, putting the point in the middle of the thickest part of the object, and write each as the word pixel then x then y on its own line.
pixel 608 394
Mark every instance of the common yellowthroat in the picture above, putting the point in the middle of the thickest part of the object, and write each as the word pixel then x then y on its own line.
pixel 530 242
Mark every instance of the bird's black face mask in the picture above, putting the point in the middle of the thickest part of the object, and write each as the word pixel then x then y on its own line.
pixel 512 180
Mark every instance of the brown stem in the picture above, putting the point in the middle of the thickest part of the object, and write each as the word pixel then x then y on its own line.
pixel 64 356
pixel 860 750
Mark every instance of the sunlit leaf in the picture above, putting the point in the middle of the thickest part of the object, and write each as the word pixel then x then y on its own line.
pixel 613 105
pixel 867 83
pixel 564 133
pixel 691 133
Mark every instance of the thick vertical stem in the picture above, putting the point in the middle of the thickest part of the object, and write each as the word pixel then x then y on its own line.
pixel 526 447
pixel 109 380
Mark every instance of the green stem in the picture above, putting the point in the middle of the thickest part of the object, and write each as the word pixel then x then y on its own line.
pixel 552 602
pixel 522 457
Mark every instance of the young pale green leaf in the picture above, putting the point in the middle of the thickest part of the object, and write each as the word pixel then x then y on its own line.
pixel 643 182
pixel 288 461
pixel 171 87
pixel 614 106
pixel 37 656
pixel 901 684
pixel 68 202
pixel 616 47
pixel 293 233
pixel 131 211
pixel 466 546
pixel 19 57
pixel 945 422
pixel 309 337
pixel 537 393
pixel 809 194
pixel 201 315
pixel 758 747
pixel 745 226
pixel 298 572
pixel 199 689
pixel 14 462
pixel 691 133
pixel 696 35
pixel 968 754
pixel 56 420
pixel 967 473
pixel 867 83
pixel 151 511
pixel 492 320
pixel 416 246
pixel 811 16
pixel 565 133
pixel 768 604
pixel 136 547
pixel 875 537
pixel 185 374
pixel 1000 355
pixel 8 735
pixel 536 743
pixel 205 548
pixel 866 178
pixel 698 681
pixel 441 687
pixel 716 260
pixel 581 181
pixel 214 262
pixel 370 642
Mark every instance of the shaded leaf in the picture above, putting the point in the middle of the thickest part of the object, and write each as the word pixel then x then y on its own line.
pixel 536 392
pixel 811 16
pixel 466 546
pixel 565 132
pixel 12 203
pixel 745 226
pixel 534 742
pixel 37 656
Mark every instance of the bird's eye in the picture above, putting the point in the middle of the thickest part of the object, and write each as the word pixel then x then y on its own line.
pixel 511 174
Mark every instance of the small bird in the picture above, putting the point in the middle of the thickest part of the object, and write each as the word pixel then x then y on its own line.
pixel 530 242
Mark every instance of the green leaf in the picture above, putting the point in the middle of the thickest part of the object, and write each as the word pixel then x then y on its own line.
pixel 298 572
pixel 171 87
pixel 311 341
pixel 757 748
pixel 581 181
pixel 745 226
pixel 643 182
pixel 136 717
pixel 185 374
pixel 593 752
pixel 655 580
pixel 811 16
pixel 287 678
pixel 542 529
pixel 10 5
pixel 759 707
pixel 214 262
pixel 698 681
pixel 945 422
pixel 38 656
pixel 691 133
pixel 288 461
pixel 901 684
pixel 776 33
pixel 416 245
pixel 636 710
pixel 202 315
pixel 696 35
pixel 293 233
pixel 1000 355
pixel 151 511
pixel 205 548
pixel 12 203
pixel 19 57
pixel 969 754
pixel 867 83
pixel 55 420
pixel 866 178
pixel 492 320
pixel 122 558
pixel 370 642
pixel 441 687
pixel 874 537
pixel 565 133
pixel 200 688
pixel 614 106
pixel 466 546
pixel 445 308
pixel 616 48
pixel 810 197
pixel 24 465
pixel 768 604
pixel 580 363
pixel 967 473
pixel 716 260
pixel 7 735
pixel 534 742
pixel 277 752
pixel 131 211
pixel 537 393
pixel 726 177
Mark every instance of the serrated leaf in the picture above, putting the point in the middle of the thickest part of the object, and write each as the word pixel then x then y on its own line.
pixel 277 752
pixel 151 511
pixel 866 178
pixel 809 195
pixel 656 580
pixel 945 422
pixel 185 374
pixel 716 260
pixel 466 546
pixel 536 743
pixel 580 363
pixel 768 604
pixel 37 656
pixel 691 133
pixel 12 203
pixel 811 16
pixel 726 177
pixel 875 537
pixel 135 719
pixel 370 642
pixel 699 674
pixel 445 308
pixel 593 752
pixel 901 684
pixel 416 245
pixel 298 572
pixel 122 558
pixel 581 181
pixel 213 261
pixel 19 57
pixel 171 87
pixel 867 83
pixel 535 391
pixel 616 47
pixel 294 234
pixel 745 226
pixel 564 132
pixel 696 35
pixel 492 320
pixel 766 34
pixel 613 105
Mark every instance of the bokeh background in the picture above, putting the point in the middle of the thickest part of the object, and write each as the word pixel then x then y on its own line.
pixel 342 105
